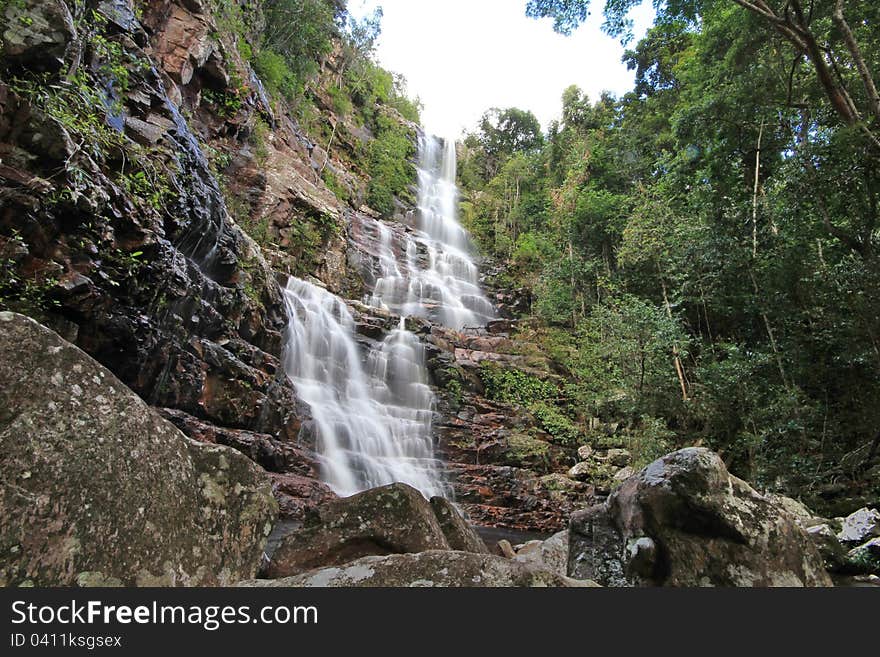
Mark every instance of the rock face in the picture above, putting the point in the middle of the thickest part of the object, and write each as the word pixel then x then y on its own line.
pixel 685 521
pixel 426 569
pixel 459 534
pixel 98 489
pixel 860 526
pixel 386 520
pixel 505 471
pixel 36 33
pixel 551 554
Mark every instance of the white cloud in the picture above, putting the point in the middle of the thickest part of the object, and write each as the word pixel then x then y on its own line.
pixel 462 57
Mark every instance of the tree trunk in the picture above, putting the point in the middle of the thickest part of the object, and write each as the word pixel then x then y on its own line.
pixel 676 357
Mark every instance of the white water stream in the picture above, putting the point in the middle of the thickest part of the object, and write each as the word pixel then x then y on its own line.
pixel 373 414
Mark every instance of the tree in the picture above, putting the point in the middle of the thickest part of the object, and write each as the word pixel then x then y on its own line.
pixel 505 132
pixel 819 33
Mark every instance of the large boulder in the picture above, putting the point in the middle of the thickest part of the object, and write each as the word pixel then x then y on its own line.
pixel 426 569
pixel 550 554
pixel 390 519
pixel 96 488
pixel 459 533
pixel 684 520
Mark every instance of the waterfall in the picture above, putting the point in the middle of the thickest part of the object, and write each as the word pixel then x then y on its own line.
pixel 437 278
pixel 374 414
pixel 373 422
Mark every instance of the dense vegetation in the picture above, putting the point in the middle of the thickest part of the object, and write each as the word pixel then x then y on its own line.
pixel 700 255
pixel 313 56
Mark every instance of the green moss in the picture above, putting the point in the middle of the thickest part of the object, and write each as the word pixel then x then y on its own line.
pixel 524 450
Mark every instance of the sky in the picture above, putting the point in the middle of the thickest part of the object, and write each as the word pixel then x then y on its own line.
pixel 461 57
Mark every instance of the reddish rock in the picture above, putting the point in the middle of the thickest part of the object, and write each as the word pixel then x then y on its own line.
pixel 299 497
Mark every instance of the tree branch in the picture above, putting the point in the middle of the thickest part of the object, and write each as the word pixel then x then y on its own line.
pixel 859 61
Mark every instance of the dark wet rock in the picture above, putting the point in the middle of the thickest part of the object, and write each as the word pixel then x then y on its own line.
pixel 97 488
pixel 706 528
pixel 427 569
pixel 460 535
pixel 864 559
pixel 165 290
pixel 299 497
pixel 832 551
pixel 387 520
pixel 274 455
pixel 35 34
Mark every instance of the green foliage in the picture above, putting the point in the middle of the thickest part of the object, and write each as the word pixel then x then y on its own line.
pixel 226 103
pixel 259 139
pixel 334 185
pixel 701 255
pixel 514 386
pixel 122 266
pixel 309 237
pixel 625 356
pixel 76 105
pixel 556 423
pixel 390 167
pixel 298 33
pixel 455 392
pixel 648 441
pixel 26 293
pixel 341 101
pixel 277 76
pixel 152 188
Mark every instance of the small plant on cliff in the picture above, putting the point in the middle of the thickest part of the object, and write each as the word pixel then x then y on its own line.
pixel 153 188
pixel 334 185
pixel 556 423
pixel 515 386
pixel 27 293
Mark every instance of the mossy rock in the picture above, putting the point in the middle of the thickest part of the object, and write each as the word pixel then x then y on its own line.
pixel 97 488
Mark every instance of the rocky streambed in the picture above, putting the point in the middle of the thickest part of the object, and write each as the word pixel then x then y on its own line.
pixel 98 488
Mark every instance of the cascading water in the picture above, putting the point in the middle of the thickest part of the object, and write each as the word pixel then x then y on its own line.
pixel 437 279
pixel 373 422
pixel 374 415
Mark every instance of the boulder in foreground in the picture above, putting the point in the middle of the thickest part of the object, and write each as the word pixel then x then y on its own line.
pixel 389 519
pixel 459 533
pixel 434 568
pixel 97 489
pixel 685 521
